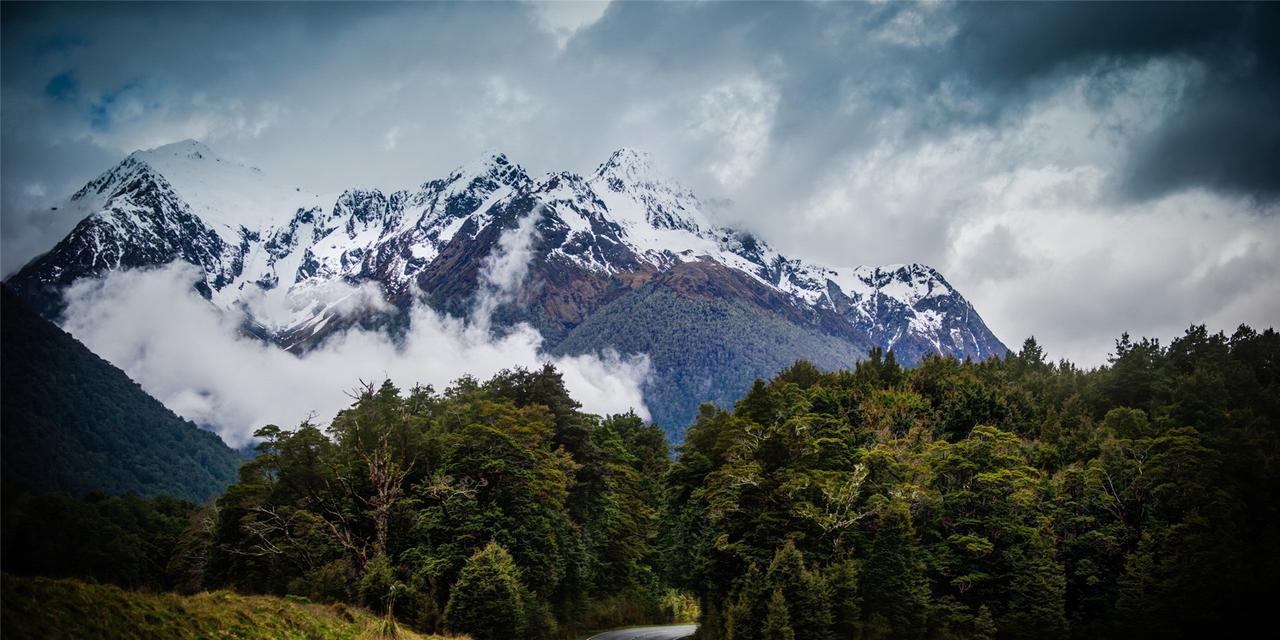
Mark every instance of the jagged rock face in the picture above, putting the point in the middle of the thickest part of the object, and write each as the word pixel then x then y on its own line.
pixel 139 221
pixel 621 237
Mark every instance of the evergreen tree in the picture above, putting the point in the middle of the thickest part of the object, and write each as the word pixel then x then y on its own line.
pixel 1037 599
pixel 375 584
pixel 1137 609
pixel 846 601
pixel 786 571
pixel 486 601
pixel 984 626
pixel 777 623
pixel 894 591
pixel 802 374
pixel 805 592
pixel 757 405
pixel 744 617
pixel 813 607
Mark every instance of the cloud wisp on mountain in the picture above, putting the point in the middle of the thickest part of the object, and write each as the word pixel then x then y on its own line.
pixel 196 360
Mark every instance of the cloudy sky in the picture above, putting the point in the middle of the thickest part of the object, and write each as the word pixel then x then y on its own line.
pixel 1075 170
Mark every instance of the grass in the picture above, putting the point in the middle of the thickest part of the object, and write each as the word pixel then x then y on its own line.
pixel 52 609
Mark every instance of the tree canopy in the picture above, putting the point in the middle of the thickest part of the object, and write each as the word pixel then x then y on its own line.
pixel 1012 498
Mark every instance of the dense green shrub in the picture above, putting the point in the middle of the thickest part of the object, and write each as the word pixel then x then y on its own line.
pixel 486 602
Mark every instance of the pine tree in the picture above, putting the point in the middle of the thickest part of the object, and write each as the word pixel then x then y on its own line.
pixel 805 592
pixel 984 626
pixel 1037 598
pixel 777 623
pixel 757 405
pixel 746 611
pixel 785 570
pixel 846 601
pixel 895 595
pixel 486 601
pixel 813 607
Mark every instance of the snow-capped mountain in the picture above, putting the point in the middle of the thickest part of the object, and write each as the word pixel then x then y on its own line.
pixel 620 238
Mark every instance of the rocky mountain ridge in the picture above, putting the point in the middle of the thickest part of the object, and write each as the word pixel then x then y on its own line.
pixel 287 258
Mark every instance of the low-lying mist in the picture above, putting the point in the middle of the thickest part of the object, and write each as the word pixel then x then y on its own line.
pixel 192 356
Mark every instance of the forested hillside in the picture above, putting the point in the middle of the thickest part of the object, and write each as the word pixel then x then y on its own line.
pixel 1013 498
pixel 73 422
pixel 703 349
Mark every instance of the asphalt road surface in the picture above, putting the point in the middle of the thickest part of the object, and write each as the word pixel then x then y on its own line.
pixel 668 632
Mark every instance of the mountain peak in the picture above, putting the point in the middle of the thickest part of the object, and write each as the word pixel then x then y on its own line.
pixel 97 191
pixel 189 148
pixel 487 161
pixel 630 165
pixel 909 282
pixel 489 165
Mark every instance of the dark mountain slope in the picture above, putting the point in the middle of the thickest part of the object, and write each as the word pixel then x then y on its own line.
pixel 703 348
pixel 73 422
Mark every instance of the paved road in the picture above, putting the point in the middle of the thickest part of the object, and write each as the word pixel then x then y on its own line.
pixel 668 632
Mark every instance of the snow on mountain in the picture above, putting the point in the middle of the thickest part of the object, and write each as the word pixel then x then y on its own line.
pixel 661 224
pixel 225 194
pixel 290 258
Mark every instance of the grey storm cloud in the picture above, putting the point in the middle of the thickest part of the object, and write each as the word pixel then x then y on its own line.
pixel 1226 136
pixel 1019 147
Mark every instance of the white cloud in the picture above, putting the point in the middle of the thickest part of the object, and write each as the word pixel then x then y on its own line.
pixel 507 101
pixel 503 272
pixel 1020 217
pixel 193 358
pixel 918 25
pixel 563 18
pixel 737 116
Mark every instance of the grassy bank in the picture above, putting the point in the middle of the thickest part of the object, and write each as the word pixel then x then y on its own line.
pixel 46 608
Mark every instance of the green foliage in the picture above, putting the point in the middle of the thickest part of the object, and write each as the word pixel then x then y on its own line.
pixel 846 600
pixel 894 592
pixel 126 540
pixel 1037 599
pixel 745 615
pixel 678 606
pixel 1012 498
pixel 805 592
pixel 391 503
pixel 74 423
pixel 984 627
pixel 376 584
pixel 487 603
pixel 777 621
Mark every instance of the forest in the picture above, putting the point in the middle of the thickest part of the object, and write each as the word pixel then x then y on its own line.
pixel 1012 498
pixel 74 422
